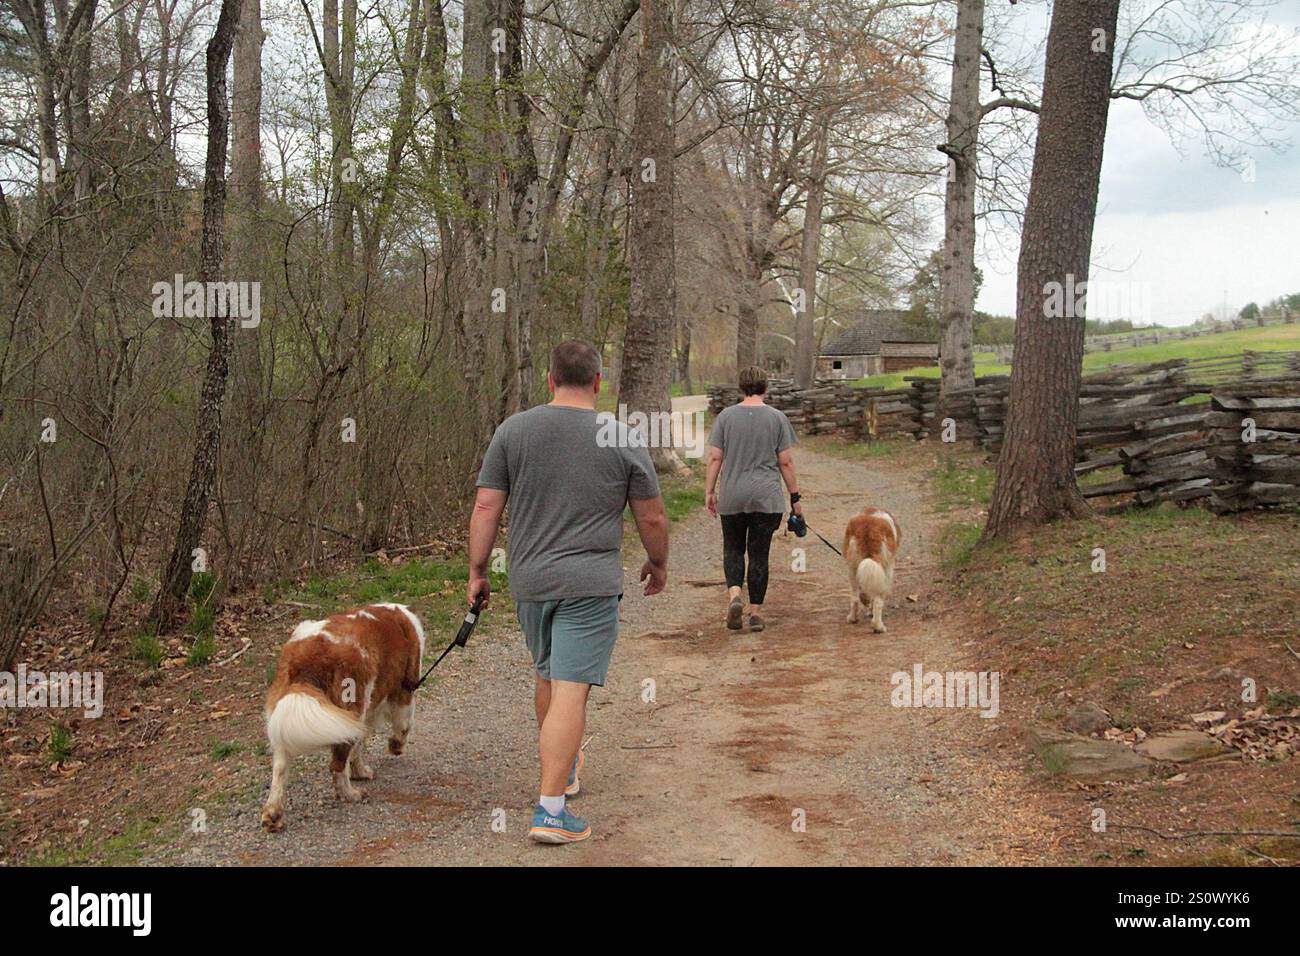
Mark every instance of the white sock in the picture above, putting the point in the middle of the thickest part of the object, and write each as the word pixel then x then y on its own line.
pixel 552 805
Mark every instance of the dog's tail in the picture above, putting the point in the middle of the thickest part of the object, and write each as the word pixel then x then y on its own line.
pixel 301 722
pixel 873 580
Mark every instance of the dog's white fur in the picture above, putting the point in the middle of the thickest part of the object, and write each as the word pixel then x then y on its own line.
pixel 870 544
pixel 336 681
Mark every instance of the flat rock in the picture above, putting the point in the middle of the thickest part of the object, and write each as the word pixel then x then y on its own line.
pixel 1181 746
pixel 1086 759
pixel 1087 718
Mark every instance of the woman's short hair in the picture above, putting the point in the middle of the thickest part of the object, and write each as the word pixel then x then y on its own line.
pixel 753 380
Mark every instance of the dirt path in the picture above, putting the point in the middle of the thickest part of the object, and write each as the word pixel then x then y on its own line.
pixel 746 733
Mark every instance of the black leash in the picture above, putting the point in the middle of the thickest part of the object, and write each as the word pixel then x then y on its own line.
pixel 799 526
pixel 460 640
pixel 827 543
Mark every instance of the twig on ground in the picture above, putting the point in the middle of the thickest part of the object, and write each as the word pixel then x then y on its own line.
pixel 248 642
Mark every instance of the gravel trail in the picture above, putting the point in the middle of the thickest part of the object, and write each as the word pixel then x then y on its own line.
pixel 772 748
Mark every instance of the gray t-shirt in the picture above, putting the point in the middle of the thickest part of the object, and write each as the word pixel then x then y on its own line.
pixel 568 473
pixel 751 436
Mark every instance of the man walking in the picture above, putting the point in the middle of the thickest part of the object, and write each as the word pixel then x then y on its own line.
pixel 567 485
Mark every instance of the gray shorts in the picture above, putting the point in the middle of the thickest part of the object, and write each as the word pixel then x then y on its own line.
pixel 572 638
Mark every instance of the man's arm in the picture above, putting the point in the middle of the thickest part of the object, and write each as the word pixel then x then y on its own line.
pixel 483 525
pixel 652 526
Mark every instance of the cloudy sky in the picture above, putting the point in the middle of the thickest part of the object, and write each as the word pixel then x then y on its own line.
pixel 1178 232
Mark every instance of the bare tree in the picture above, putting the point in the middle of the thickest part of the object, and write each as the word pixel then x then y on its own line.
pixel 207 443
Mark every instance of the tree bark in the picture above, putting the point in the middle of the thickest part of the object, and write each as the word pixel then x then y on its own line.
pixel 957 277
pixel 1035 475
pixel 651 320
pixel 207 445
pixel 805 344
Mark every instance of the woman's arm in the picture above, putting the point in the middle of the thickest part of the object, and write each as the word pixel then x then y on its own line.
pixel 786 460
pixel 711 478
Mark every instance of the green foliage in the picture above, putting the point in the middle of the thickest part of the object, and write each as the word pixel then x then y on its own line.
pixel 146 647
pixel 202 584
pixel 221 750
pixel 202 650
pixel 203 619
pixel 60 744
pixel 141 590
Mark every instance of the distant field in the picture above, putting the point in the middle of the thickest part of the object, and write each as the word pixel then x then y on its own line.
pixel 1272 338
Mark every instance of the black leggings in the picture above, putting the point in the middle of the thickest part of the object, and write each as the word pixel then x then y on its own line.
pixel 750 533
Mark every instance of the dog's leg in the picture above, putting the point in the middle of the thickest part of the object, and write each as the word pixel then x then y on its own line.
pixel 339 768
pixel 853 596
pixel 877 609
pixel 358 769
pixel 273 812
pixel 400 718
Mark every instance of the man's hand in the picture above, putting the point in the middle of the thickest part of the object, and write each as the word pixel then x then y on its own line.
pixel 652 525
pixel 711 500
pixel 478 586
pixel 657 575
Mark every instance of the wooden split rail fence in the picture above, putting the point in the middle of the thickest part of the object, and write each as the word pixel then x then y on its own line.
pixel 1173 429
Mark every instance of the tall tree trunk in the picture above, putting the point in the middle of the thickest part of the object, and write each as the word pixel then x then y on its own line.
pixel 246 114
pixel 805 344
pixel 751 286
pixel 651 319
pixel 207 443
pixel 957 278
pixel 1035 475
pixel 476 226
pixel 339 56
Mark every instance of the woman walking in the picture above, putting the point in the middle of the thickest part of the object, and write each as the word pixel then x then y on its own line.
pixel 750 446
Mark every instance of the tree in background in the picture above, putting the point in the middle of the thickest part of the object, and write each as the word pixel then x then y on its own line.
pixel 652 309
pixel 207 442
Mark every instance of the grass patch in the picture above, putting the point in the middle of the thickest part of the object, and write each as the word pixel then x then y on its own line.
pixel 60 744
pixel 1161 611
pixel 1271 338
pixel 124 849
pixel 433 587
pixel 203 619
pixel 856 450
pixel 223 749
pixel 202 650
pixel 959 543
pixel 959 484
pixel 146 648
pixel 683 494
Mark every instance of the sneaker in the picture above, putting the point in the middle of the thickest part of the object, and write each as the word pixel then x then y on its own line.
pixel 734 613
pixel 574 786
pixel 566 828
pixel 756 623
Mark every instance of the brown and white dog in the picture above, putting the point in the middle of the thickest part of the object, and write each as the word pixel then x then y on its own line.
pixel 870 543
pixel 336 681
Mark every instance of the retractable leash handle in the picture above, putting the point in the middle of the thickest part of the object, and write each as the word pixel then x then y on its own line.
pixel 461 639
pixel 471 618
